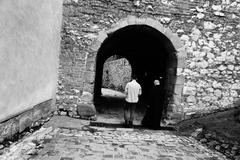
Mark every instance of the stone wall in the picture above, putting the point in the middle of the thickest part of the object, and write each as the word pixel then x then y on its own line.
pixel 116 74
pixel 208 29
pixel 212 73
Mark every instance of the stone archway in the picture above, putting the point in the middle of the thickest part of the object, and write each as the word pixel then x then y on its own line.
pixel 174 81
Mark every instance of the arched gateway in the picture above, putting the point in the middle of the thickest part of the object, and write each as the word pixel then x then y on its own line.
pixel 152 51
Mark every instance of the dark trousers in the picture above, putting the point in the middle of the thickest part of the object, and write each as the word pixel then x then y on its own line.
pixel 152 117
pixel 129 109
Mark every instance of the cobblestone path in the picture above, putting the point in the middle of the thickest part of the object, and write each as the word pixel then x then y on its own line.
pixel 108 143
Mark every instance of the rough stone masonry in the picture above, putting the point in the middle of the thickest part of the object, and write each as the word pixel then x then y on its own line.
pixel 116 74
pixel 208 30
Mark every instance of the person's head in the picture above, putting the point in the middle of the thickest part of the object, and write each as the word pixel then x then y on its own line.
pixel 156 82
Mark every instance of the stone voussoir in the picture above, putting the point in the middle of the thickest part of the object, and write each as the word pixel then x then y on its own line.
pixel 177 43
pixel 96 45
pixel 102 35
pixel 89 76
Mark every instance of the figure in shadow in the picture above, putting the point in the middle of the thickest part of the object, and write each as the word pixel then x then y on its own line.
pixel 154 109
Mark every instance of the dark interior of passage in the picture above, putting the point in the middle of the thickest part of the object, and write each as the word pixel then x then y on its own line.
pixel 150 54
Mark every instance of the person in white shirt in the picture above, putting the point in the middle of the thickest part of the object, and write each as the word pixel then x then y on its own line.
pixel 132 90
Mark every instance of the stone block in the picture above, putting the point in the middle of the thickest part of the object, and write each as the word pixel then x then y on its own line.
pixel 218 93
pixel 176 41
pixel 86 110
pixel 171 35
pixel 91 56
pixel 87 97
pixel 191 99
pixel 113 28
pixel 168 33
pixel 177 100
pixel 181 62
pixel 89 76
pixel 90 66
pixel 177 116
pixel 180 80
pixel 236 102
pixel 149 21
pixel 178 89
pixel 189 90
pixel 37 114
pixel 79 55
pixel 159 27
pixel 9 128
pixel 122 23
pixel 181 52
pixel 179 71
pixel 87 87
pixel 141 21
pixel 116 26
pixel 95 45
pixel 131 20
pixel 25 120
pixel 102 35
pixel 43 109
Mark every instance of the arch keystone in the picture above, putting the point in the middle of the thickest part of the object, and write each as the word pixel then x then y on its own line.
pixel 141 21
pixel 131 20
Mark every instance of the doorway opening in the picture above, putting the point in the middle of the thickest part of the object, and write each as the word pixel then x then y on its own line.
pixel 150 54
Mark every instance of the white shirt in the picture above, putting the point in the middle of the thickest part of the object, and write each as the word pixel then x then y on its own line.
pixel 132 90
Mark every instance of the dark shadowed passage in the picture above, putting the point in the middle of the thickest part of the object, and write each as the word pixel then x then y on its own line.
pixel 150 54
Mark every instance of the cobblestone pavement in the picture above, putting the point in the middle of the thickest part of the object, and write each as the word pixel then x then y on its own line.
pixel 107 143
